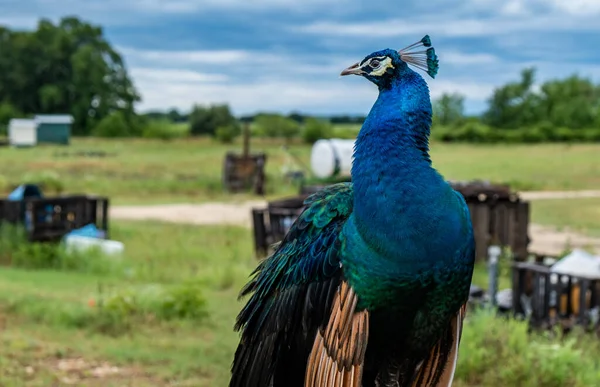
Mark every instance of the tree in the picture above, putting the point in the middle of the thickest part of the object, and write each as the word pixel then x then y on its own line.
pixel 514 105
pixel 449 109
pixel 205 120
pixel 68 68
pixel 573 102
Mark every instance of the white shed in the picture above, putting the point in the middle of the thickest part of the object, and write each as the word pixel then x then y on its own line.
pixel 22 132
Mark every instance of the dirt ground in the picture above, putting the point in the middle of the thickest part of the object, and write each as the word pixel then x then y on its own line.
pixel 546 240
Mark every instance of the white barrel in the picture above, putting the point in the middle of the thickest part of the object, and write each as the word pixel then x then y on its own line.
pixel 330 155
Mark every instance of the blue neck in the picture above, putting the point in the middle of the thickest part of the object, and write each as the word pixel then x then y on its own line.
pixel 392 173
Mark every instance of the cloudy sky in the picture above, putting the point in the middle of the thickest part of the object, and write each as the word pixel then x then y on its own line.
pixel 286 55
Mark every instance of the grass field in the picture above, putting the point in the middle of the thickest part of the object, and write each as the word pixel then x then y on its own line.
pixel 135 171
pixel 582 215
pixel 98 316
pixel 162 314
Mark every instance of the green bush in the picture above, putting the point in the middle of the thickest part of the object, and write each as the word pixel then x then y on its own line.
pixel 161 129
pixel 315 129
pixel 204 120
pixel 17 251
pixel 475 132
pixel 120 124
pixel 113 125
pixel 275 125
pixel 49 181
pixel 500 352
pixel 226 134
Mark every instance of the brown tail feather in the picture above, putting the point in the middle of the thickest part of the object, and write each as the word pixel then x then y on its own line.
pixel 438 369
pixel 338 352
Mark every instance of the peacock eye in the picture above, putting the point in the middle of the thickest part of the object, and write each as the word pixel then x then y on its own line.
pixel 374 63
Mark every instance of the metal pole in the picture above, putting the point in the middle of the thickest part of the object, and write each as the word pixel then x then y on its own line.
pixel 493 258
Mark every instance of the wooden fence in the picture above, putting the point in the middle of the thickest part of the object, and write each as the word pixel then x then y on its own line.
pixel 548 299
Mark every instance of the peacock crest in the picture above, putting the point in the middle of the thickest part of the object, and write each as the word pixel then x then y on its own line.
pixel 425 60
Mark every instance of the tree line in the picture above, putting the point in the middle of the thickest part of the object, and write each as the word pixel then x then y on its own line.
pixel 558 110
pixel 70 68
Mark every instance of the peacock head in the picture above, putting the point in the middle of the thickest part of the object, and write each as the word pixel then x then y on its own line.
pixel 381 67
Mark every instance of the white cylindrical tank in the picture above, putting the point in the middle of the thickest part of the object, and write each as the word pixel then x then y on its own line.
pixel 331 157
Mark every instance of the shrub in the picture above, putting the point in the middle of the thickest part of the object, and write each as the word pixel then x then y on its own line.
pixel 48 181
pixel 475 132
pixel 161 129
pixel 17 251
pixel 315 129
pixel 205 120
pixel 274 125
pixel 500 352
pixel 113 125
pixel 226 134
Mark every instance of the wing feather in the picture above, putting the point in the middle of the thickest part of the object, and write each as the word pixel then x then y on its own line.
pixel 338 353
pixel 292 293
pixel 438 369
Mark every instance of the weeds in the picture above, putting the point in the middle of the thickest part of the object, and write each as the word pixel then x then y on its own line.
pixel 500 352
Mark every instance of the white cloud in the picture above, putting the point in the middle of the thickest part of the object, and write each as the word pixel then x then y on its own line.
pixel 472 90
pixel 460 58
pixel 465 27
pixel 175 76
pixel 576 7
pixel 264 95
pixel 327 94
pixel 186 57
pixel 194 6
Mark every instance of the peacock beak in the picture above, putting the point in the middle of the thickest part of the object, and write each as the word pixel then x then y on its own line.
pixel 354 69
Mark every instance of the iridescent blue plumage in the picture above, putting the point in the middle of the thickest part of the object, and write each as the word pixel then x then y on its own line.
pixel 368 286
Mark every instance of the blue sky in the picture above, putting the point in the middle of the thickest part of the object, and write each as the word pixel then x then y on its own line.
pixel 284 55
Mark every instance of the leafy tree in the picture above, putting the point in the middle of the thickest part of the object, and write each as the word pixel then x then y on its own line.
pixel 573 102
pixel 204 120
pixel 65 68
pixel 515 104
pixel 7 112
pixel 449 109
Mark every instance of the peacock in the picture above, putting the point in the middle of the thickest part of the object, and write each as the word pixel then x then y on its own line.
pixel 370 284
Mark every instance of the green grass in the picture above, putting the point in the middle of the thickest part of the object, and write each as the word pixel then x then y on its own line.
pixel 189 170
pixel 49 317
pixel 59 311
pixel 582 215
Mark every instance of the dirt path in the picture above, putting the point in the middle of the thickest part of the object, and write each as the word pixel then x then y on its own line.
pixel 545 239
pixel 237 214
pixel 541 195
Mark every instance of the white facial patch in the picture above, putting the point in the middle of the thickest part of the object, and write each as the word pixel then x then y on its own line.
pixel 377 66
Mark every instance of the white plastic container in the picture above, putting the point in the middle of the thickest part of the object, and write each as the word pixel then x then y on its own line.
pixel 22 132
pixel 83 243
pixel 326 155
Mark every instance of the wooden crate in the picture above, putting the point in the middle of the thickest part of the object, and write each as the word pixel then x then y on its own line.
pixel 242 173
pixel 272 223
pixel 549 299
pixel 50 218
